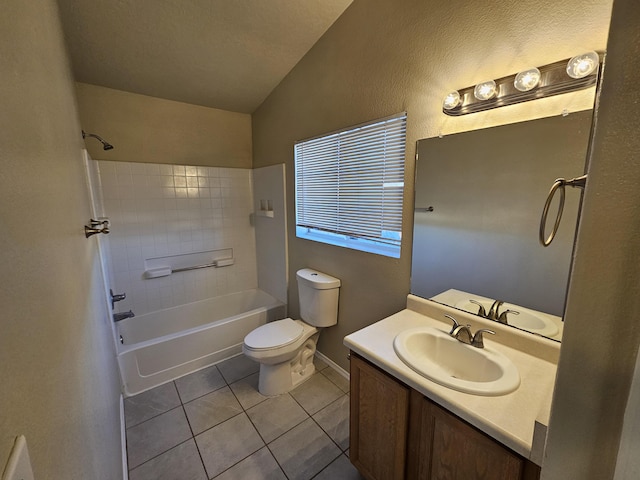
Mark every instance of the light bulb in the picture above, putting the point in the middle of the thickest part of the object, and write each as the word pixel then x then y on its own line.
pixel 485 90
pixel 583 65
pixel 451 101
pixel 527 80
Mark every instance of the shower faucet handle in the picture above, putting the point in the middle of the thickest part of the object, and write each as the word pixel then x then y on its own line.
pixel 116 298
pixel 100 222
pixel 96 226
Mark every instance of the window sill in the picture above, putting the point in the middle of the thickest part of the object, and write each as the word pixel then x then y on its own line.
pixel 352 243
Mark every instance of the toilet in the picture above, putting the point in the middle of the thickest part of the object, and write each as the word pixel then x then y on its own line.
pixel 285 348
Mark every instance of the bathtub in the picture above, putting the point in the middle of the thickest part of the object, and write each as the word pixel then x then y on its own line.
pixel 157 347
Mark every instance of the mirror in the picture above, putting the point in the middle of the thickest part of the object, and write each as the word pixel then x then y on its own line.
pixel 478 200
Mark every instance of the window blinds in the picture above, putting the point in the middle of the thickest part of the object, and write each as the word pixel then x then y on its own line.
pixel 352 182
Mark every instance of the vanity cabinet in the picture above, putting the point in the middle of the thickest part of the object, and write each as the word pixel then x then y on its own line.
pixel 379 415
pixel 397 433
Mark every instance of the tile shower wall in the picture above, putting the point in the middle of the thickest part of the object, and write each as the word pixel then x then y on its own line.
pixel 159 210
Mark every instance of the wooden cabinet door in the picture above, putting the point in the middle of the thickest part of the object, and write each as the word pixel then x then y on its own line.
pixel 447 448
pixel 378 422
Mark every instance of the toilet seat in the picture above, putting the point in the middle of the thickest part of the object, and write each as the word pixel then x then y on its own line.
pixel 274 335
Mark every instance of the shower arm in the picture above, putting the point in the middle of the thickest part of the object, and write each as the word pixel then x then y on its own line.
pixel 106 145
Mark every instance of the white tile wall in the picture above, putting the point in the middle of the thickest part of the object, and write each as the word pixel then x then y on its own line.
pixel 159 210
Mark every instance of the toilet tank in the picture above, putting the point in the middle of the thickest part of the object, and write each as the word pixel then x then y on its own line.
pixel 318 296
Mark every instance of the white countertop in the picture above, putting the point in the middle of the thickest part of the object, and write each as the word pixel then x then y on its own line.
pixel 510 418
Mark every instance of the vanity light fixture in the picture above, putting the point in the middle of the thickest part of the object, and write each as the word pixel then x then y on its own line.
pixel 583 65
pixel 452 100
pixel 527 80
pixel 565 76
pixel 485 90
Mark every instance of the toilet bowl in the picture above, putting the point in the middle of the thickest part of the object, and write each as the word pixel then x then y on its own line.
pixel 285 348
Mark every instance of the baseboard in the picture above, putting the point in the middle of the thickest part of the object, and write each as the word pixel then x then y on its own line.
pixel 333 364
pixel 123 441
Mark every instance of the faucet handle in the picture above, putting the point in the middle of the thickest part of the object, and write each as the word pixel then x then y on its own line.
pixel 481 311
pixel 478 341
pixel 455 324
pixel 503 316
pixel 117 297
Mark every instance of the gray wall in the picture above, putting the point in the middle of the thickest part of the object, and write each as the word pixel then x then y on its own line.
pixel 271 232
pixel 154 130
pixel 602 331
pixel 60 385
pixel 383 57
pixel 628 462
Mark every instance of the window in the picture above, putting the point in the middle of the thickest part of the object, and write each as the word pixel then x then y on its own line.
pixel 349 186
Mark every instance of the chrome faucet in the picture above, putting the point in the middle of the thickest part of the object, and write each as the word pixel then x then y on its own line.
pixel 463 334
pixel 121 316
pixel 494 311
pixel 501 317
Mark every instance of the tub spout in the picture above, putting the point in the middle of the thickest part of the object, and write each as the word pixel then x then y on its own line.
pixel 121 316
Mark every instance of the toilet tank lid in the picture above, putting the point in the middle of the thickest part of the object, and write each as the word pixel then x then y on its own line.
pixel 317 280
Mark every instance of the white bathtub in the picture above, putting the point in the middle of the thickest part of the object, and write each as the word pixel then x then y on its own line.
pixel 160 346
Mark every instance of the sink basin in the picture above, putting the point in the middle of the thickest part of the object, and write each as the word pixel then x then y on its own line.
pixel 526 320
pixel 437 356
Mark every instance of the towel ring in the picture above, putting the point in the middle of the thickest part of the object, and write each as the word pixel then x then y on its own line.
pixel 559 184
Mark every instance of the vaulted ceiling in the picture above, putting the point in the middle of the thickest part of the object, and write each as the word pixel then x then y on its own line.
pixel 226 54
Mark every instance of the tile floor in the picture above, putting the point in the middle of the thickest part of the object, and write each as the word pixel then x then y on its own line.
pixel 215 424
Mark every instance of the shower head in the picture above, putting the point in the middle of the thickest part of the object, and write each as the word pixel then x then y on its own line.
pixel 105 145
